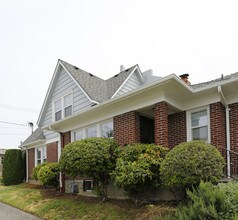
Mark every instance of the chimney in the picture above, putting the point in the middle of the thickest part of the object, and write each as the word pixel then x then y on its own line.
pixel 184 77
pixel 122 68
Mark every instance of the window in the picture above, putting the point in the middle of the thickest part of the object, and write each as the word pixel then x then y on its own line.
pixel 58 110
pixel 1 159
pixel 87 185
pixel 103 129
pixel 78 135
pixel 40 155
pixel 68 105
pixel 63 107
pixel 107 129
pixel 199 125
pixel 92 131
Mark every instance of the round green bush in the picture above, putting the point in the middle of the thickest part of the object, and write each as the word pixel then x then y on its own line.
pixel 91 157
pixel 137 169
pixel 13 169
pixel 190 162
pixel 49 174
pixel 37 169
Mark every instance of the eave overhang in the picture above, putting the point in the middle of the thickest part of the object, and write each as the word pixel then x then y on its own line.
pixel 33 144
pixel 171 89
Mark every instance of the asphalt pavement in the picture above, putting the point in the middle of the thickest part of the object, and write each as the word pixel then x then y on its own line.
pixel 10 213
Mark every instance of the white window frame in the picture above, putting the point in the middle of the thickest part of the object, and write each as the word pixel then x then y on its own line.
pixel 104 122
pixel 63 107
pixel 92 126
pixel 84 129
pixel 189 122
pixel 73 136
pixel 42 159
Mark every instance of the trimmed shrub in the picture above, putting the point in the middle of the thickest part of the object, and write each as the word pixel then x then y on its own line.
pixel 91 157
pixel 189 163
pixel 137 169
pixel 37 169
pixel 13 170
pixel 49 174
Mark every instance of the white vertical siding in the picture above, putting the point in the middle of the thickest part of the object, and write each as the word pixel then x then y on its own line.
pixel 65 84
pixel 131 84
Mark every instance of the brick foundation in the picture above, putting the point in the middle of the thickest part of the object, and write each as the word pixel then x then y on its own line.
pixel 127 128
pixel 177 129
pixel 161 124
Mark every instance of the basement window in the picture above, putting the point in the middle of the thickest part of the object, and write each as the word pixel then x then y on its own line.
pixel 87 185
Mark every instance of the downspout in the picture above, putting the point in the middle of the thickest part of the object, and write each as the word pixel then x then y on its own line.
pixel 59 154
pixel 27 175
pixel 228 144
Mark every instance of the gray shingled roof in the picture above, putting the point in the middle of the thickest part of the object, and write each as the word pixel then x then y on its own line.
pixel 222 78
pixel 35 136
pixel 115 82
pixel 91 84
pixel 98 89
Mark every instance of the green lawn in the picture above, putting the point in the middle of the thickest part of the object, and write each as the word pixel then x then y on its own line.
pixel 51 206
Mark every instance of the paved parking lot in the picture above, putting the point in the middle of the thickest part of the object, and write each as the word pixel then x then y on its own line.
pixel 10 213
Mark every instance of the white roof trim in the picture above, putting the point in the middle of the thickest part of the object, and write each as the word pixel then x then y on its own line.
pixel 34 143
pixel 215 84
pixel 124 82
pixel 48 93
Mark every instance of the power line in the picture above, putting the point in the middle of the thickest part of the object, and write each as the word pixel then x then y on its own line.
pixel 12 123
pixel 13 134
pixel 18 108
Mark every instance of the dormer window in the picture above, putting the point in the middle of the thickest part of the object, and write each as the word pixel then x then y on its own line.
pixel 63 107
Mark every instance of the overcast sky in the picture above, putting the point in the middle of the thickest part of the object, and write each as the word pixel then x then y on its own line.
pixel 185 36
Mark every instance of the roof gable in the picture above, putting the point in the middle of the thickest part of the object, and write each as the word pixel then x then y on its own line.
pixel 47 102
pixel 133 77
pixel 94 88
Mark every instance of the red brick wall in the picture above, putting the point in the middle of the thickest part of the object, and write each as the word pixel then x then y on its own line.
pixel 177 129
pixel 127 128
pixel 161 124
pixel 52 152
pixel 234 136
pixel 218 127
pixel 65 139
pixel 31 162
